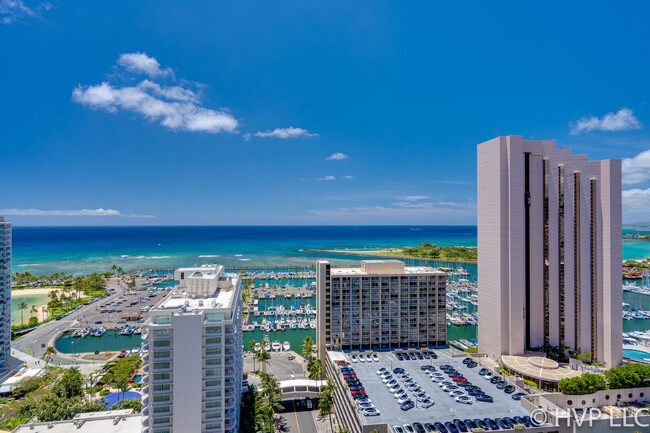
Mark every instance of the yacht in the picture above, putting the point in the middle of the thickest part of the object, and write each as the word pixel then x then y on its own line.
pixel 286 346
pixel 275 346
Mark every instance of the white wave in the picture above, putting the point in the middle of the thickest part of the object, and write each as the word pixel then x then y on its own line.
pixel 29 264
pixel 124 256
pixel 244 260
pixel 209 255
pixel 159 257
pixel 238 255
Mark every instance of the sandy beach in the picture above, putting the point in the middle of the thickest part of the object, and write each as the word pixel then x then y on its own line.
pixel 17 294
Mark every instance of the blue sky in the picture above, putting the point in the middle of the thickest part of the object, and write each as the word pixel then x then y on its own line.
pixel 167 112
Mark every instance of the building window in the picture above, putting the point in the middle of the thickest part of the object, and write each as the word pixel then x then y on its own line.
pixel 213 415
pixel 213 317
pixel 163 320
pixel 163 420
pixel 161 376
pixel 161 409
pixel 210 394
pixel 213 340
pixel 162 332
pixel 161 365
pixel 213 361
pixel 162 387
pixel 158 398
pixel 162 343
pixel 213 330
pixel 211 383
pixel 164 354
pixel 213 426
pixel 576 258
pixel 212 404
pixel 213 351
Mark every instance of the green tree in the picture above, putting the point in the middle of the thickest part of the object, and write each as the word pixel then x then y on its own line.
pixel 70 385
pixel 248 419
pixel 263 358
pixel 315 369
pixel 271 398
pixel 326 402
pixel 128 403
pixel 22 306
pixel 251 348
pixel 33 311
pixel 49 352
pixel 308 347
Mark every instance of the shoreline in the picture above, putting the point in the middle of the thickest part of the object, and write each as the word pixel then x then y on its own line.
pixel 40 315
pixel 379 254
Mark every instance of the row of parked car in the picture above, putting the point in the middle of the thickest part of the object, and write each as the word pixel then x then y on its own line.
pixel 466 425
pixel 364 358
pixel 456 385
pixel 394 387
pixel 414 356
pixel 358 392
pixel 501 384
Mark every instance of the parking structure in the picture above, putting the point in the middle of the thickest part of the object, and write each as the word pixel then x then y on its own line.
pixel 445 408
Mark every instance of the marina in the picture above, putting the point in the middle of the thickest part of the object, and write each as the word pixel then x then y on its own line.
pixel 99 340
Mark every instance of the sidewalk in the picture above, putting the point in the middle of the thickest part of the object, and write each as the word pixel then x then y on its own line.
pixel 32 361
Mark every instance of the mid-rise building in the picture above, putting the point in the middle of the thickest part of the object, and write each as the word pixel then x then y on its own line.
pixel 194 363
pixel 5 294
pixel 380 304
pixel 549 250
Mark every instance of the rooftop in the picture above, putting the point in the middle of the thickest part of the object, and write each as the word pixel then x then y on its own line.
pixel 116 421
pixel 445 408
pixel 374 267
pixel 539 368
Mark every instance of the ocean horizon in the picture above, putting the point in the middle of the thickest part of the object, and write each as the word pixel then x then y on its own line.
pixel 86 249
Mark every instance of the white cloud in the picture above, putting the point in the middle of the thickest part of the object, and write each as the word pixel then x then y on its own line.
pixel 347 176
pixel 327 178
pixel 70 212
pixel 141 63
pixel 338 156
pixel 289 132
pixel 12 11
pixel 176 107
pixel 414 197
pixel 623 120
pixel 636 199
pixel 636 169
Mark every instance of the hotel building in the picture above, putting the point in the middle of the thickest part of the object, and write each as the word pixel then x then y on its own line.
pixel 378 305
pixel 549 250
pixel 194 363
pixel 5 294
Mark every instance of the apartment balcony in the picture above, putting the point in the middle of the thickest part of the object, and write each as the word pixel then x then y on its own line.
pixel 145 389
pixel 145 347
pixel 145 368
pixel 145 378
pixel 145 400
pixel 230 403
pixel 145 357
pixel 145 411
pixel 145 424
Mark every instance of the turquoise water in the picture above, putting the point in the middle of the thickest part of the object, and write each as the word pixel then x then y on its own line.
pixel 635 354
pixel 16 298
pixel 79 250
pixel 111 340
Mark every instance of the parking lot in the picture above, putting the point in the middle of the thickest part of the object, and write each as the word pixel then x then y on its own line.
pixel 445 408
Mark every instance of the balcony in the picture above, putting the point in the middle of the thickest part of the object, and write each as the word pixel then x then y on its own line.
pixel 145 400
pixel 145 389
pixel 145 368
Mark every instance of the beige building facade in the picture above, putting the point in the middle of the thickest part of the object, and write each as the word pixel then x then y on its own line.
pixel 549 250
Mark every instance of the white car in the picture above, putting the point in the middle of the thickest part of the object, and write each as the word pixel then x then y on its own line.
pixel 387 379
pixel 399 393
pixel 368 358
pixel 364 406
pixel 362 358
pixel 488 375
pixel 382 370
pixel 456 393
pixel 464 400
pixel 427 404
pixel 423 398
pixel 375 357
pixel 371 412
pixel 402 399
pixel 353 358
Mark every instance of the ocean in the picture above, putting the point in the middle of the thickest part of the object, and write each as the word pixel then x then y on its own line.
pixel 83 250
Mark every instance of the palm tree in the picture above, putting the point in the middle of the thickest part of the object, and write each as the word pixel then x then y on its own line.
pixel 33 311
pixel 251 348
pixel 327 396
pixel 272 398
pixel 308 347
pixel 263 358
pixel 49 352
pixel 22 306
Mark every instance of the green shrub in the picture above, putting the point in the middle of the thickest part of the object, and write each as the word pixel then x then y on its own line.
pixel 104 392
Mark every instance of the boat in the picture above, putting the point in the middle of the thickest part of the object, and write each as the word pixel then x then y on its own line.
pixel 98 332
pixel 275 346
pixel 138 331
pixel 286 346
pixel 281 327
pixel 127 331
pixel 76 333
pixel 257 347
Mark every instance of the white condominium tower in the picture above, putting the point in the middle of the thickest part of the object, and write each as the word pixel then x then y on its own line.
pixel 380 304
pixel 195 360
pixel 5 293
pixel 549 250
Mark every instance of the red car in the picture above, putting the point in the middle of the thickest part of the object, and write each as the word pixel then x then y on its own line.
pixel 349 376
pixel 459 379
pixel 342 363
pixel 357 392
pixel 121 355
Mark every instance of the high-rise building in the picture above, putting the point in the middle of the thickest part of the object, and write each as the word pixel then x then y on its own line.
pixel 380 304
pixel 194 363
pixel 5 294
pixel 549 250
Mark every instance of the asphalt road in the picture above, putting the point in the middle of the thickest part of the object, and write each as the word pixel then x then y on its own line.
pixel 38 339
pixel 297 420
pixel 279 365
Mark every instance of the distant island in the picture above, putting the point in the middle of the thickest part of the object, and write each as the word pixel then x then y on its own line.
pixel 425 251
pixel 639 235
